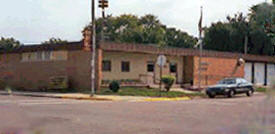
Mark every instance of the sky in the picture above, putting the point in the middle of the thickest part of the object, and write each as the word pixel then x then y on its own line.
pixel 34 21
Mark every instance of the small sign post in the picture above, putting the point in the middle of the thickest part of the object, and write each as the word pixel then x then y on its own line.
pixel 161 62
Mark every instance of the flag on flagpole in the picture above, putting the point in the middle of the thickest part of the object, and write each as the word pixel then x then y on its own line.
pixel 200 23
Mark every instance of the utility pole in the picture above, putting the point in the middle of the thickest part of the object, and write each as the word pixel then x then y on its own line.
pixel 93 49
pixel 245 44
pixel 201 47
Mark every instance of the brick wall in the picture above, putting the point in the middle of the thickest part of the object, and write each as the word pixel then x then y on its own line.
pixel 36 74
pixel 215 69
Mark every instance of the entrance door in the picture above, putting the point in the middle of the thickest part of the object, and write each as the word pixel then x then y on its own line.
pixel 174 70
pixel 150 72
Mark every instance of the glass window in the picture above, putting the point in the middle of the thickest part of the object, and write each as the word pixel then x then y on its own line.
pixel 244 81
pixel 47 55
pixel 227 81
pixel 150 66
pixel 39 55
pixel 25 57
pixel 125 66
pixel 106 66
pixel 59 55
pixel 32 56
pixel 173 68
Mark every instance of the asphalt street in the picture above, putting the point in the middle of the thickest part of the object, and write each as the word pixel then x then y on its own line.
pixel 239 115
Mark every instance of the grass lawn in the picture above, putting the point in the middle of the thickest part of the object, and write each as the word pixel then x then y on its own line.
pixel 130 91
pixel 261 89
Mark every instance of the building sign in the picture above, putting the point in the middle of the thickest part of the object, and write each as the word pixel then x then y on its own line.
pixel 161 60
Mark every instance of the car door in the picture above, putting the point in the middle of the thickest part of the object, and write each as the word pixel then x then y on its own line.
pixel 240 86
pixel 246 85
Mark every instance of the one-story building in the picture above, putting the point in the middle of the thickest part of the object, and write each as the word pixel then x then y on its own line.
pixel 33 67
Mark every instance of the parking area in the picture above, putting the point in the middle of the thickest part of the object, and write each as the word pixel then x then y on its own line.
pixel 31 115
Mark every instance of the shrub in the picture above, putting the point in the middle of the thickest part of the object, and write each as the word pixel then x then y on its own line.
pixel 59 82
pixel 2 85
pixel 114 86
pixel 168 82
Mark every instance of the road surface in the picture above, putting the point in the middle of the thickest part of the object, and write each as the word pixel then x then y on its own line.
pixel 239 115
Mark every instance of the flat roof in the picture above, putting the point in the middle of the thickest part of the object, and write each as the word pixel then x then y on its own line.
pixel 45 47
pixel 150 49
pixel 142 48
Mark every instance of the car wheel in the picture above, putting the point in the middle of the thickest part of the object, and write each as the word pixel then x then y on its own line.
pixel 249 92
pixel 211 96
pixel 230 94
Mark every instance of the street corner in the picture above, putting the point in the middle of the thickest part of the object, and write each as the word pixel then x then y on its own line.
pixel 167 99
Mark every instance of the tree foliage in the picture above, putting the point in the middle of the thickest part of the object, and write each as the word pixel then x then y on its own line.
pixel 147 29
pixel 54 41
pixel 230 35
pixel 8 44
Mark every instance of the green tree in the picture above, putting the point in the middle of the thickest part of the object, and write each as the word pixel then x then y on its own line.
pixel 8 44
pixel 262 20
pixel 152 30
pixel 217 37
pixel 177 38
pixel 54 41
pixel 145 30
pixel 239 29
pixel 230 35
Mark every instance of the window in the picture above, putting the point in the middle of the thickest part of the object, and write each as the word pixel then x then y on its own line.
pixel 150 66
pixel 47 55
pixel 239 81
pixel 39 55
pixel 227 81
pixel 25 56
pixel 125 66
pixel 106 66
pixel 173 68
pixel 244 81
pixel 59 55
pixel 32 56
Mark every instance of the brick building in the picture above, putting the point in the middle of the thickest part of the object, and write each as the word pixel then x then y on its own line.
pixel 32 67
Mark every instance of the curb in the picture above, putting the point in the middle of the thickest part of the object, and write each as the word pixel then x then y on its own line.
pixel 85 98
pixel 168 99
pixel 54 96
pixel 29 94
pixel 94 98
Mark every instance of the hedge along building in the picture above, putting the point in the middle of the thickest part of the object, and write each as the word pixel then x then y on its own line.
pixel 33 67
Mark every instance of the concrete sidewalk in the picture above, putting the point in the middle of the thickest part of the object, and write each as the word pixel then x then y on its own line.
pixel 79 96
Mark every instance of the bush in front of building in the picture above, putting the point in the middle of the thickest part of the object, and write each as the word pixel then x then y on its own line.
pixel 59 82
pixel 168 81
pixel 114 86
pixel 2 85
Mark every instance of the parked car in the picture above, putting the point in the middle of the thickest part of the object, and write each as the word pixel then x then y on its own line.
pixel 229 87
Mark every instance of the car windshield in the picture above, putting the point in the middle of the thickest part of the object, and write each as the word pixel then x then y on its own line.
pixel 227 81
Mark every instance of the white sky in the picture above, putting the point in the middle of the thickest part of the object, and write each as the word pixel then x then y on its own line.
pixel 33 21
